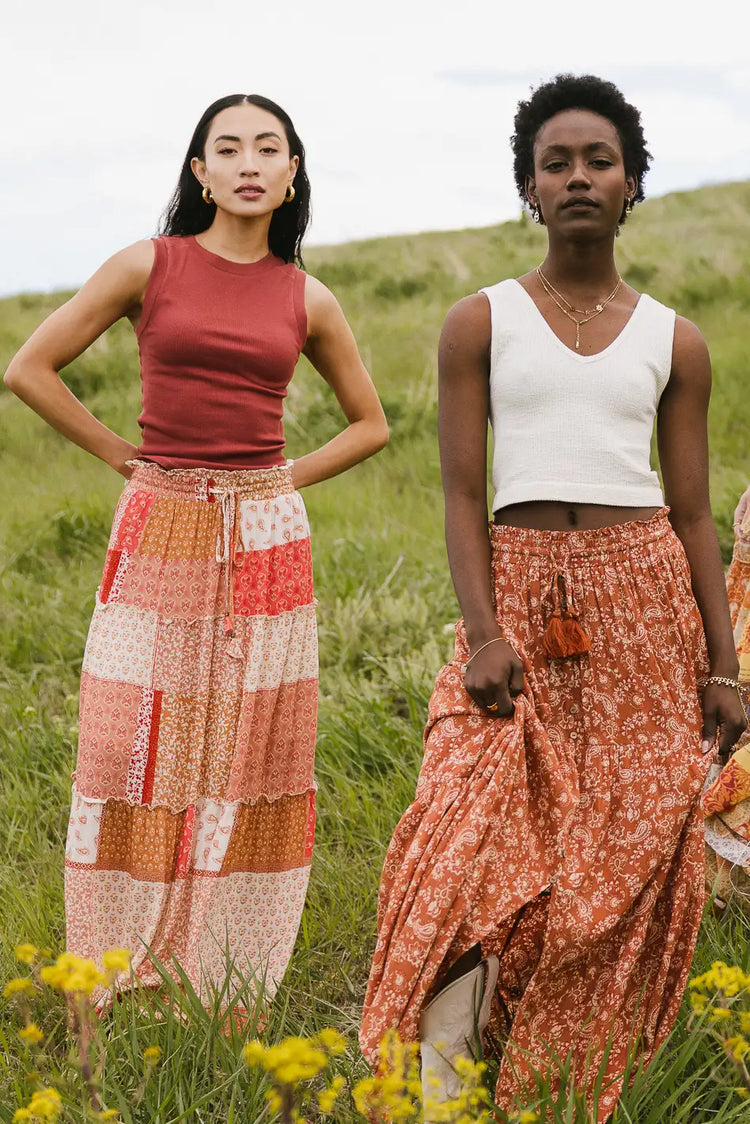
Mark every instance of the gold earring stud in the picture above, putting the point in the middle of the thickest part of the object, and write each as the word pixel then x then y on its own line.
pixel 289 194
pixel 207 196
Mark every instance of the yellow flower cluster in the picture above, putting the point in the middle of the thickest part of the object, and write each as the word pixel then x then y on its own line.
pixel 152 1055
pixel 727 978
pixel 31 1034
pixel 19 985
pixel 394 1093
pixel 717 995
pixel 45 1104
pixel 26 953
pixel 327 1096
pixel 294 1061
pixel 72 974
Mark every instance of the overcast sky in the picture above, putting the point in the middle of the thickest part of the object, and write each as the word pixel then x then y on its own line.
pixel 405 107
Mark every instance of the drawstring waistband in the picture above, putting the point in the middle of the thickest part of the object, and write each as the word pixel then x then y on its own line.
pixel 226 553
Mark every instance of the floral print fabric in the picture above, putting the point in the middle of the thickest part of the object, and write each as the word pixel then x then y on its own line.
pixel 726 802
pixel 567 839
pixel 193 812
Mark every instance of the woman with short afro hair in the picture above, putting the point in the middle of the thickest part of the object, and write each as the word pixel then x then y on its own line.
pixel 550 868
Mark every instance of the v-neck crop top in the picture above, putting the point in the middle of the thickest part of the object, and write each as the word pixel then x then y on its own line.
pixel 218 341
pixel 570 427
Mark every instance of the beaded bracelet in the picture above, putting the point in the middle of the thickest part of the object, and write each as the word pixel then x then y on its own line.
pixel 723 681
pixel 494 640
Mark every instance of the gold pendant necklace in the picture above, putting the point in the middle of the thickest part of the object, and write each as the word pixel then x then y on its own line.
pixel 587 314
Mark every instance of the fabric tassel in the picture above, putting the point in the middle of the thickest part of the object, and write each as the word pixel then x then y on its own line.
pixel 564 637
pixel 555 640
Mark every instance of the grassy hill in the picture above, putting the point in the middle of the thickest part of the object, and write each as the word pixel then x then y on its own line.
pixel 386 604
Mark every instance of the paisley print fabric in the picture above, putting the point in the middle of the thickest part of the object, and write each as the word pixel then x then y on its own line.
pixel 193 812
pixel 726 802
pixel 566 839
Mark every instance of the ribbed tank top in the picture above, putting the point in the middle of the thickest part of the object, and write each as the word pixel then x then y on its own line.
pixel 218 342
pixel 572 427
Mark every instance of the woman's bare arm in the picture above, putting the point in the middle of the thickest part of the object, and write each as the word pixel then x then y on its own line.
pixel 464 360
pixel 683 455
pixel 114 291
pixel 332 350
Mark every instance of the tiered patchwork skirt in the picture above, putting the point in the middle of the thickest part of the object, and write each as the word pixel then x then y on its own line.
pixel 193 809
pixel 568 838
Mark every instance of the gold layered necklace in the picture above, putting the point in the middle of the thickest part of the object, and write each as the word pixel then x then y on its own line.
pixel 568 309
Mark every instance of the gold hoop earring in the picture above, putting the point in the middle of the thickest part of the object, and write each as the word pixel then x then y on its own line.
pixel 289 194
pixel 207 196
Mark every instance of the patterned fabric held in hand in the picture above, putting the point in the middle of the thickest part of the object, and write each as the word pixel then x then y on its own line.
pixel 568 838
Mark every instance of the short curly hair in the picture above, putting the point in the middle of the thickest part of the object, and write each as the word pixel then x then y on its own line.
pixel 585 91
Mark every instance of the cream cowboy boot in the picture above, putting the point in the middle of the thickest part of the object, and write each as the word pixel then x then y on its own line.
pixel 449 1027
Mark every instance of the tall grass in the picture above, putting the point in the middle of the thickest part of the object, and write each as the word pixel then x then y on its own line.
pixel 385 613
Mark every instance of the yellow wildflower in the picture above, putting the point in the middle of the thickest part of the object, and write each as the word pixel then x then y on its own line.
pixel 528 1116
pixel 20 1115
pixel 274 1100
pixel 152 1055
pixel 26 953
pixel 331 1040
pixel 738 1047
pixel 745 1022
pixel 327 1097
pixel 728 978
pixel 72 973
pixel 116 960
pixel 20 985
pixel 31 1034
pixel 254 1052
pixel 718 1014
pixel 742 1092
pixel 45 1104
pixel 698 1003
pixel 293 1060
pixel 107 1114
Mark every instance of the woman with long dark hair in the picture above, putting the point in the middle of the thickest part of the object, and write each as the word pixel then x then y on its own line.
pixel 193 809
pixel 551 865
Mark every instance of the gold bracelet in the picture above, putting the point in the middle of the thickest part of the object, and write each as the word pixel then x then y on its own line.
pixel 493 641
pixel 723 681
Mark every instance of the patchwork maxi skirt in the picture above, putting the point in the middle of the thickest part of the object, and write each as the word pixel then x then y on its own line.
pixel 567 839
pixel 193 811
pixel 727 802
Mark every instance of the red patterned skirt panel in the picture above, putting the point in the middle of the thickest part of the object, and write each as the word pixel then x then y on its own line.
pixel 567 839
pixel 193 811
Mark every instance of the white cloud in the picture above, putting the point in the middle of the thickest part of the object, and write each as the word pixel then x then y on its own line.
pixel 405 108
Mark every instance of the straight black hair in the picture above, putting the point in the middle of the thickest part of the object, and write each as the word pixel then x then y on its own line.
pixel 187 213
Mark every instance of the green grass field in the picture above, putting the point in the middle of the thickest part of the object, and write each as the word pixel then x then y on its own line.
pixel 385 614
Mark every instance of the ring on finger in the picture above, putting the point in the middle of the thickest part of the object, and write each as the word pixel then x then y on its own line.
pixel 491 706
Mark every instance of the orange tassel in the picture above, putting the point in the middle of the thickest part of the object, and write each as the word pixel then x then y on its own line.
pixel 555 644
pixel 564 638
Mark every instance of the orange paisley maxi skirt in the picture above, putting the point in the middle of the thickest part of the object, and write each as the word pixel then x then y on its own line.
pixel 193 811
pixel 568 838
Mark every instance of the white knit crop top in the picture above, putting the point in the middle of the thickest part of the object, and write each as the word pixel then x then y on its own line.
pixel 572 427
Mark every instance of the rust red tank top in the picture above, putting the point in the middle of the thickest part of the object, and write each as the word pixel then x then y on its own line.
pixel 219 341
